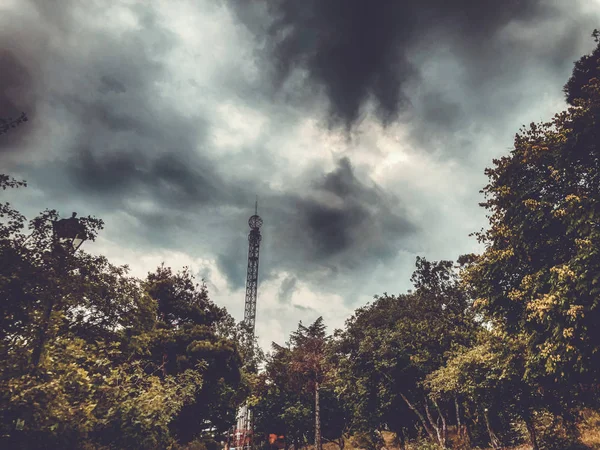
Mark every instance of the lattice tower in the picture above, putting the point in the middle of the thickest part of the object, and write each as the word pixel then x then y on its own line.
pixel 241 437
pixel 254 238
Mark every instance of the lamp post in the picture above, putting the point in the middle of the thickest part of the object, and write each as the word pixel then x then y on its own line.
pixel 69 232
pixel 67 235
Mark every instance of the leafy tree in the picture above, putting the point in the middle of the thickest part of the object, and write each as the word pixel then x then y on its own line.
pixel 489 377
pixel 191 330
pixel 539 275
pixel 335 415
pixel 67 323
pixel 282 407
pixel 388 348
pixel 309 345
pixel 296 394
pixel 94 358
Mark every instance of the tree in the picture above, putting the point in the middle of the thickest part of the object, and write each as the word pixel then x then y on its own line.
pixel 192 330
pixel 282 407
pixel 296 394
pixel 489 377
pixel 72 317
pixel 539 274
pixel 95 358
pixel 309 346
pixel 387 348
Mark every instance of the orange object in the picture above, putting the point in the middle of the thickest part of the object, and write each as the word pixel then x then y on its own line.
pixel 277 441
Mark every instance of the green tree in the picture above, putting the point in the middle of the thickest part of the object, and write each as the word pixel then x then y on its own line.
pixel 488 377
pixel 95 358
pixel 68 330
pixel 282 407
pixel 192 330
pixel 539 274
pixel 309 346
pixel 387 349
pixel 296 395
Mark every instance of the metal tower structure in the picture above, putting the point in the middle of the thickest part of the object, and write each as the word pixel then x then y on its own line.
pixel 254 238
pixel 241 437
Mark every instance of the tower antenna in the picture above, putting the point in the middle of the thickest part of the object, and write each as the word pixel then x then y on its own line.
pixel 242 435
pixel 254 238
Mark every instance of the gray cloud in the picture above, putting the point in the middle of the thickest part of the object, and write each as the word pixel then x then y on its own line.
pixel 112 134
pixel 452 71
pixel 15 89
pixel 131 150
pixel 358 50
pixel 127 140
pixel 287 288
pixel 338 225
pixel 110 84
pixel 345 215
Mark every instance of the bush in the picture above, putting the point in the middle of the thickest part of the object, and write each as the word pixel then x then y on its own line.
pixel 553 432
pixel 424 444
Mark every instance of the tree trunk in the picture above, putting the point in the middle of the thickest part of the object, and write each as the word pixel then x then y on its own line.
pixel 435 426
pixel 459 429
pixel 494 441
pixel 531 430
pixel 444 424
pixel 401 439
pixel 164 365
pixel 164 355
pixel 462 430
pixel 318 443
pixel 419 415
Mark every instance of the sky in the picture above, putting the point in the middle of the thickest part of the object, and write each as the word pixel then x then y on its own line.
pixel 364 128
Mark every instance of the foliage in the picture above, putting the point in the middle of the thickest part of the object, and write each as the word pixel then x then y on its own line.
pixel 188 333
pixel 94 358
pixel 488 377
pixel 282 407
pixel 539 273
pixel 309 364
pixel 536 283
pixel 297 381
pixel 389 347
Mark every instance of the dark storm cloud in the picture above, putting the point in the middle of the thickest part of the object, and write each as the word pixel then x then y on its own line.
pixel 335 226
pixel 286 290
pixel 15 97
pixel 128 141
pixel 131 150
pixel 120 141
pixel 338 224
pixel 342 223
pixel 357 50
pixel 168 177
pixel 111 84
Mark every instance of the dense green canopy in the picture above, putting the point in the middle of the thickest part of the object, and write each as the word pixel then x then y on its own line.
pixel 94 358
